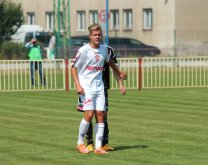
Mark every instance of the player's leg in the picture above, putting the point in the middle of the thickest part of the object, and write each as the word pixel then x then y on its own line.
pixel 99 126
pixel 82 131
pixel 106 130
pixel 84 124
pixel 89 137
pixel 105 145
pixel 89 134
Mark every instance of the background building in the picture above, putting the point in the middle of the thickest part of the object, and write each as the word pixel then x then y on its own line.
pixel 175 26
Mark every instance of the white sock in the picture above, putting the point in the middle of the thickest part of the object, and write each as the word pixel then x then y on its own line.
pixel 83 127
pixel 99 130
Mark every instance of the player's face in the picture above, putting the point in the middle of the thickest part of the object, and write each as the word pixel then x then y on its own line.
pixel 95 38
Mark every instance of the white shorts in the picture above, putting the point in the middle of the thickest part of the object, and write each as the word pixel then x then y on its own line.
pixel 93 101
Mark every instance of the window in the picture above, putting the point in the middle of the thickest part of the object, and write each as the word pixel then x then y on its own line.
pixel 93 16
pixel 128 19
pixel 114 24
pixel 49 21
pixel 147 18
pixel 30 18
pixel 81 20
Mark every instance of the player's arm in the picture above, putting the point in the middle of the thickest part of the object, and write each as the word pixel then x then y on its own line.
pixel 115 68
pixel 112 55
pixel 76 63
pixel 79 88
pixel 119 81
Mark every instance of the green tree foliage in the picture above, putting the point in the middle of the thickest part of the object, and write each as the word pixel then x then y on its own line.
pixel 11 18
pixel 13 51
pixel 62 21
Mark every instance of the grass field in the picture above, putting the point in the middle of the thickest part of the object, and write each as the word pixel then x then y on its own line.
pixel 152 127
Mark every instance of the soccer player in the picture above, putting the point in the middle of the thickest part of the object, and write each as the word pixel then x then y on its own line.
pixel 86 70
pixel 106 80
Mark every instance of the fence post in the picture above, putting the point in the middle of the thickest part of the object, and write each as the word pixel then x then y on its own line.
pixel 67 75
pixel 140 73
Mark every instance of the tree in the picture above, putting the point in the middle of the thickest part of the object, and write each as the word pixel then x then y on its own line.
pixel 62 23
pixel 11 18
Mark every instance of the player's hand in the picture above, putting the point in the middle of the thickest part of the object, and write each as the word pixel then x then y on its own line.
pixel 123 90
pixel 123 75
pixel 80 90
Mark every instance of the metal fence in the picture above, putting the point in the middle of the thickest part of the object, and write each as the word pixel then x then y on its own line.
pixel 160 72
pixel 175 72
pixel 16 75
pixel 163 72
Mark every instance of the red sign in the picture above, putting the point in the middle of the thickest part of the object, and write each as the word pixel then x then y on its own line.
pixel 104 16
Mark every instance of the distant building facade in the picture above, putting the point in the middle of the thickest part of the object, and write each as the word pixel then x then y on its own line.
pixel 164 23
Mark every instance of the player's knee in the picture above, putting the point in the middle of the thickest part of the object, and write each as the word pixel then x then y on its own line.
pixel 99 116
pixel 88 115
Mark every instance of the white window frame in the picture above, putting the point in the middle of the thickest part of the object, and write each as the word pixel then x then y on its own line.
pixel 93 16
pixel 148 19
pixel 81 20
pixel 114 20
pixel 50 21
pixel 30 18
pixel 128 19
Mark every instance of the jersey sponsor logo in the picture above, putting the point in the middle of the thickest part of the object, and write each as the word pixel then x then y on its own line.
pixel 97 68
pixel 97 57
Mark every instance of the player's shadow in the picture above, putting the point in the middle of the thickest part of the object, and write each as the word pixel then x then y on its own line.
pixel 130 147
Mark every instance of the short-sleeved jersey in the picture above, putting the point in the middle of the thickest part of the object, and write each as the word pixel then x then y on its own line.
pixel 106 71
pixel 89 63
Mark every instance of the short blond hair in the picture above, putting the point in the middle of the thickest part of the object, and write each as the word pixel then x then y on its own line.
pixel 94 27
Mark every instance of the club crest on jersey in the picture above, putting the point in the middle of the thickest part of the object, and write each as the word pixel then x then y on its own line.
pixel 97 57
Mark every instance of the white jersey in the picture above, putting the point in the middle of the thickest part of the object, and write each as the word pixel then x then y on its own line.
pixel 89 63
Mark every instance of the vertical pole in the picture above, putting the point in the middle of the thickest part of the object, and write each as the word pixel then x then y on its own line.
pixel 140 73
pixel 175 48
pixel 58 12
pixel 59 25
pixel 67 75
pixel 175 44
pixel 69 28
pixel 107 22
pixel 69 25
pixel 54 15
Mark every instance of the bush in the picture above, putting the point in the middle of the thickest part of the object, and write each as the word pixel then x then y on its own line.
pixel 12 51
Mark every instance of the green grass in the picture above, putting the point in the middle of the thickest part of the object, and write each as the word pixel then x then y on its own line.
pixel 152 127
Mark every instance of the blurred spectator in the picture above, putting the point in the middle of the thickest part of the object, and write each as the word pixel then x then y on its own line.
pixel 35 56
pixel 52 44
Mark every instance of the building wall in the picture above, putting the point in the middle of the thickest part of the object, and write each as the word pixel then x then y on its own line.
pixel 163 19
pixel 173 20
pixel 163 22
pixel 191 20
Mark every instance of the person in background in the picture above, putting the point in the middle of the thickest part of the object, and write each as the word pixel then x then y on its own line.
pixel 35 56
pixel 51 45
pixel 106 80
pixel 86 70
